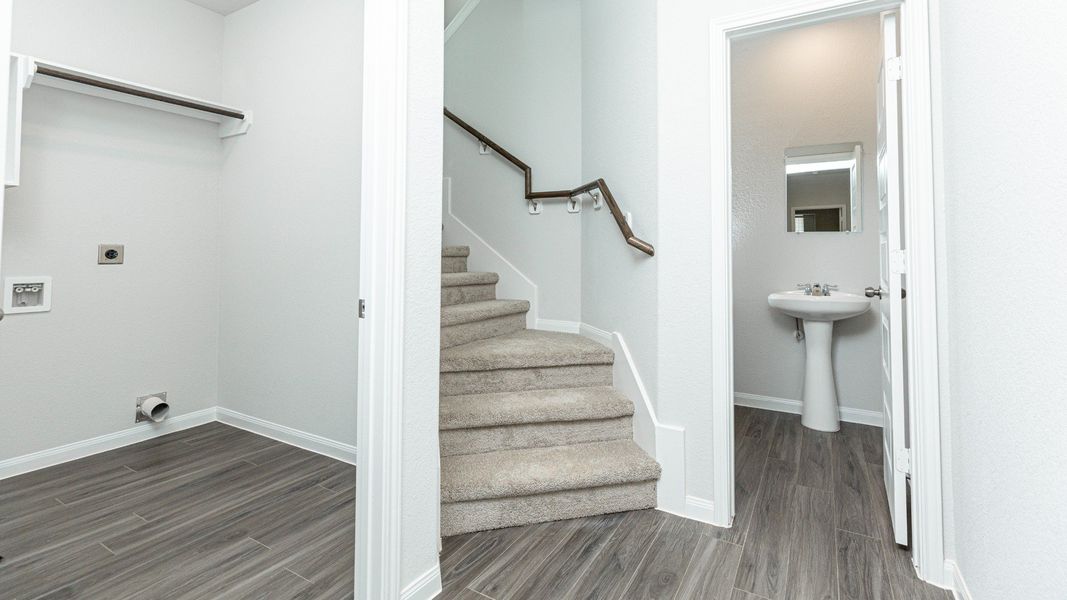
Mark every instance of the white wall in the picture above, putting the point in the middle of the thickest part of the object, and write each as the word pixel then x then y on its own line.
pixel 95 171
pixel 290 215
pixel 422 305
pixel 618 65
pixel 802 87
pixel 513 71
pixel 1003 127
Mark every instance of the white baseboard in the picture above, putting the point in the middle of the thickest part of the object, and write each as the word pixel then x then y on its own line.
pixel 848 415
pixel 666 443
pixel 458 20
pixel 959 586
pixel 111 441
pixel 700 509
pixel 560 326
pixel 427 586
pixel 288 435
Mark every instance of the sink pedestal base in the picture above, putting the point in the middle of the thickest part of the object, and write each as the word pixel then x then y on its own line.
pixel 820 410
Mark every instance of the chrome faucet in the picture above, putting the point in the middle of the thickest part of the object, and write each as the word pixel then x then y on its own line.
pixel 817 289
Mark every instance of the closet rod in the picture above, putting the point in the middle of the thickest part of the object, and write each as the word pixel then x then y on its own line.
pixel 114 87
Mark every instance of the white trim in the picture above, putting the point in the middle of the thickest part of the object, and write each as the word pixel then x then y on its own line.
pixel 380 401
pixel 559 326
pixel 287 435
pixel 922 246
pixel 700 509
pixel 484 257
pixel 111 441
pixel 427 586
pixel 954 576
pixel 666 443
pixel 460 18
pixel 848 415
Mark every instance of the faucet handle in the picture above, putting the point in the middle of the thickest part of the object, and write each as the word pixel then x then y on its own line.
pixel 829 286
pixel 806 287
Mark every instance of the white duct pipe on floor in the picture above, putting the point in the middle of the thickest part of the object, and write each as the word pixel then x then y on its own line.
pixel 155 408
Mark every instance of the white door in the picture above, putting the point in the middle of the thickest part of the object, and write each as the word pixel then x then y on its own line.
pixel 892 273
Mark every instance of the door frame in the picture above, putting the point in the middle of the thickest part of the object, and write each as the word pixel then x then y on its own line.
pixel 921 253
pixel 380 399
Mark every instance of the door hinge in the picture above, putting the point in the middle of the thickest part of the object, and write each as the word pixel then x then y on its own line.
pixel 898 261
pixel 894 69
pixel 362 308
pixel 903 461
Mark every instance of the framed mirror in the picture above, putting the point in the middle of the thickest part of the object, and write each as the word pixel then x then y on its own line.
pixel 823 188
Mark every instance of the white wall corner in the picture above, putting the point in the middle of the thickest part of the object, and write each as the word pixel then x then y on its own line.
pixel 955 578
pixel 700 509
pixel 484 257
pixel 111 441
pixel 848 415
pixel 425 587
pixel 458 20
pixel 287 435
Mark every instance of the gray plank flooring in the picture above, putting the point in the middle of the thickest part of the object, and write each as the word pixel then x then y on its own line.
pixel 216 512
pixel 212 512
pixel 812 524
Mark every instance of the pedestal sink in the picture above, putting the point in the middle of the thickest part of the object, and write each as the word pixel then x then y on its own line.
pixel 820 410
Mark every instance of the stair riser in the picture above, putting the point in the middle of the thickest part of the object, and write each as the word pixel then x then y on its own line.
pixel 478 515
pixel 481 330
pixel 516 380
pixel 453 264
pixel 463 294
pixel 533 435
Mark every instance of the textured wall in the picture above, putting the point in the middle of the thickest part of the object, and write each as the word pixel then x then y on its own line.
pixel 802 87
pixel 1004 123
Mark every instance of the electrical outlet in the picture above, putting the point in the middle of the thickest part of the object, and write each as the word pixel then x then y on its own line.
pixel 110 254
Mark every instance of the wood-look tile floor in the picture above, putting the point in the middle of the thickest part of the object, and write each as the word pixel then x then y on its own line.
pixel 212 512
pixel 811 524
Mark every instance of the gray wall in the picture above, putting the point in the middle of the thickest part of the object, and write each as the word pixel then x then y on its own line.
pixel 290 215
pixel 619 145
pixel 802 87
pixel 513 71
pixel 98 171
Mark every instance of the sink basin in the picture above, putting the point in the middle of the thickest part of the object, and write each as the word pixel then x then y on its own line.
pixel 840 305
pixel 820 409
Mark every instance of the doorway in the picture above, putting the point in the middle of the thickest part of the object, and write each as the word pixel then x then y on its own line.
pixel 918 461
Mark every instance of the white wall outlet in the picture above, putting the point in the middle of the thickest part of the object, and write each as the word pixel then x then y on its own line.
pixel 27 294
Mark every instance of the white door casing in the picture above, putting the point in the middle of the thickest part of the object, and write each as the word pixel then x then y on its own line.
pixel 891 267
pixel 5 82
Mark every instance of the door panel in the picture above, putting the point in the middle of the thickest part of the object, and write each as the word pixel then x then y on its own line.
pixel 891 272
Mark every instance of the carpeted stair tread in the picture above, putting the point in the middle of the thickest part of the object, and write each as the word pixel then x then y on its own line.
pixel 526 349
pixel 456 251
pixel 533 406
pixel 468 278
pixel 513 473
pixel 471 312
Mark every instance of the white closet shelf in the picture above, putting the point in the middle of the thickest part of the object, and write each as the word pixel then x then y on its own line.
pixel 26 71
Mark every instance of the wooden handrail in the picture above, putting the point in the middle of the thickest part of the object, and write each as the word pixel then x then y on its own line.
pixel 600 184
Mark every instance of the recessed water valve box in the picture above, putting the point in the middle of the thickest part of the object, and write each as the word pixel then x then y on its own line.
pixel 27 294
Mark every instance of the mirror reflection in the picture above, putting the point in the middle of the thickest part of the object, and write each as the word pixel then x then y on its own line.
pixel 823 189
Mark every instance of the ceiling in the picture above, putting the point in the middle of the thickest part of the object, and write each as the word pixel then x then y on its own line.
pixel 223 7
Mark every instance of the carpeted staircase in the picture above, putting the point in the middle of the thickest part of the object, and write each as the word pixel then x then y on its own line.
pixel 531 428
